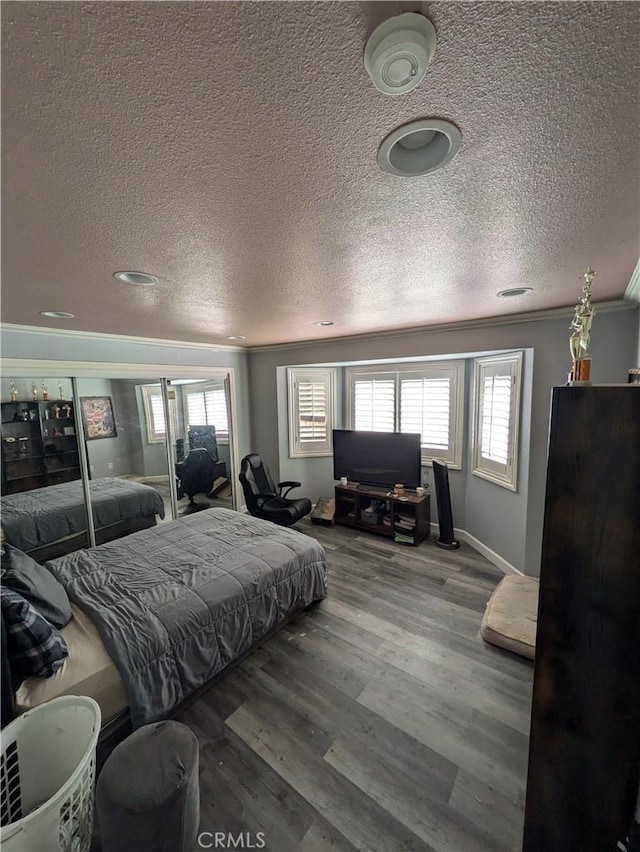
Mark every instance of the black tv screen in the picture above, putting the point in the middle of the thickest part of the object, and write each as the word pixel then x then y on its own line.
pixel 377 458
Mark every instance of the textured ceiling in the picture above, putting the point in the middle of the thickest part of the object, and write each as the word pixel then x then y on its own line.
pixel 230 149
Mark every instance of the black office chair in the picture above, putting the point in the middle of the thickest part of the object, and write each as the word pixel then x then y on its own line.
pixel 197 474
pixel 266 501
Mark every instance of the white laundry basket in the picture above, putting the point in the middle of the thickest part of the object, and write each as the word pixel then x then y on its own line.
pixel 47 774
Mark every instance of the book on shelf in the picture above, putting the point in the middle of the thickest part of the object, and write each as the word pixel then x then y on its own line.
pixel 403 539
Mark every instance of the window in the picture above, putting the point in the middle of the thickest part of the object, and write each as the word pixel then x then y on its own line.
pixel 207 406
pixel 311 396
pixel 423 398
pixel 496 418
pixel 154 413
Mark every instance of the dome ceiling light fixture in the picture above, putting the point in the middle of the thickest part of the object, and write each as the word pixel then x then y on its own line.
pixel 419 147
pixel 140 279
pixel 514 291
pixel 324 323
pixel 398 52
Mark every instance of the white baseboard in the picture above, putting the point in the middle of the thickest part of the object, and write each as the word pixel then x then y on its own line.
pixel 491 555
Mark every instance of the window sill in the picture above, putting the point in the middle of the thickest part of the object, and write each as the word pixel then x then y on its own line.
pixel 496 480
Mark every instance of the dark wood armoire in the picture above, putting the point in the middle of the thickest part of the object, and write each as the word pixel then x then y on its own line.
pixel 584 758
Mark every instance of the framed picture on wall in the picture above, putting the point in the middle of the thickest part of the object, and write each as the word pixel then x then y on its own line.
pixel 97 417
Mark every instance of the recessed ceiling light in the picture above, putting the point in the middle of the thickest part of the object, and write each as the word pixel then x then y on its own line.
pixel 236 337
pixel 325 322
pixel 514 291
pixel 57 314
pixel 419 147
pixel 141 279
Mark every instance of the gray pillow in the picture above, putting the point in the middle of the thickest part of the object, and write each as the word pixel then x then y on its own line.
pixel 36 584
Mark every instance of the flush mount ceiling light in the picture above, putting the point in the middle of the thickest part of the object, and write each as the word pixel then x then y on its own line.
pixel 398 52
pixel 325 322
pixel 419 147
pixel 57 314
pixel 514 291
pixel 236 337
pixel 141 279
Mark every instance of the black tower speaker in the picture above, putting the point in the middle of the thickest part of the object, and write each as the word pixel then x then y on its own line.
pixel 443 497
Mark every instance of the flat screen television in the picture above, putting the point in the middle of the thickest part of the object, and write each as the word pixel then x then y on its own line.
pixel 377 458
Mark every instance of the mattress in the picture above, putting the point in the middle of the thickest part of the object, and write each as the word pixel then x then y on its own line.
pixel 175 604
pixel 88 670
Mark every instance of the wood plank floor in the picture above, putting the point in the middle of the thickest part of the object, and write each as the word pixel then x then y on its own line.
pixel 377 721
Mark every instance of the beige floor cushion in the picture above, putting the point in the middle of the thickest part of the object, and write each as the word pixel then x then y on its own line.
pixel 510 618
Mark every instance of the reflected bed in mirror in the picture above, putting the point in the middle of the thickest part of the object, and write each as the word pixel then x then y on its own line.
pixel 50 522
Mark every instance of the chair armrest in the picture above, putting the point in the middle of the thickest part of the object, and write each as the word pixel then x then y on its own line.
pixel 289 484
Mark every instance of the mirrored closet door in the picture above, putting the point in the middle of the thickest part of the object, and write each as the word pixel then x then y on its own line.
pixel 203 443
pixel 125 434
pixel 43 500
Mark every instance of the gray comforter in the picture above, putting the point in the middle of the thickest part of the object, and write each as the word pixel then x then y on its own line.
pixel 176 603
pixel 35 518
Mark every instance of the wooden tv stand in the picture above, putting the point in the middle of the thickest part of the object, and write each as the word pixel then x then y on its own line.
pixel 408 518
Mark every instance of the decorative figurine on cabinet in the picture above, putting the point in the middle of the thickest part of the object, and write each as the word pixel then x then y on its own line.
pixel 13 391
pixel 581 332
pixel 60 396
pixel 34 392
pixel 45 392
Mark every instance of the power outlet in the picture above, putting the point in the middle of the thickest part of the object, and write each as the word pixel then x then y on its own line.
pixel 110 465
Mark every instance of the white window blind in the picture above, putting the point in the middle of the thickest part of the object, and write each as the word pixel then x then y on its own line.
pixel 496 418
pixel 425 407
pixel 374 404
pixel 310 412
pixel 154 413
pixel 422 398
pixel 495 433
pixel 157 415
pixel 208 407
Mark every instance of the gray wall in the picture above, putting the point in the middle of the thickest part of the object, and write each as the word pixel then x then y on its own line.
pixel 613 349
pixel 108 451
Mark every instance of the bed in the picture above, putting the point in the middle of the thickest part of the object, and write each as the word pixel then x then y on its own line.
pixel 49 522
pixel 161 613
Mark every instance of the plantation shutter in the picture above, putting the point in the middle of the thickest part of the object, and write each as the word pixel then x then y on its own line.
pixel 374 403
pixel 208 408
pixel 310 412
pixel 425 407
pixel 159 425
pixel 423 399
pixel 496 418
pixel 154 413
pixel 496 422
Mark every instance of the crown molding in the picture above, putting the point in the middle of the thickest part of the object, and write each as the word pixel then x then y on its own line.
pixel 488 322
pixel 632 293
pixel 120 338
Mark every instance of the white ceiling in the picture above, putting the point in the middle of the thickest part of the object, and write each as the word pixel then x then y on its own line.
pixel 230 149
